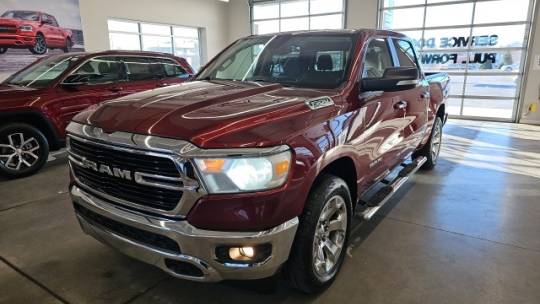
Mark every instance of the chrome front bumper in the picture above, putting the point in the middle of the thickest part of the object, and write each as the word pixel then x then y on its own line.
pixel 197 246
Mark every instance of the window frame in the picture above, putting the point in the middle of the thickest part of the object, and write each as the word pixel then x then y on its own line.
pixel 253 3
pixel 393 59
pixel 415 54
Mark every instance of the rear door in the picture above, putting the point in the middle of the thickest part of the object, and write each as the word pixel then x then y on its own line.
pixel 143 73
pixel 99 79
pixel 416 98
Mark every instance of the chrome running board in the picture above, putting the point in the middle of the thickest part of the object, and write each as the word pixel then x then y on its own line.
pixel 384 194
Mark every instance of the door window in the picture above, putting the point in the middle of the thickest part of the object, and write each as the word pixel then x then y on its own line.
pixel 52 21
pixel 377 59
pixel 405 53
pixel 143 68
pixel 101 70
pixel 173 69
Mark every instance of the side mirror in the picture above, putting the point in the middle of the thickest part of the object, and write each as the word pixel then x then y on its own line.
pixel 46 21
pixel 75 80
pixel 393 79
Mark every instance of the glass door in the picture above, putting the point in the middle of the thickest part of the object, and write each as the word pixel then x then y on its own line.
pixel 482 44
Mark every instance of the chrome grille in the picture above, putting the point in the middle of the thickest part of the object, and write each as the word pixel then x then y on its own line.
pixel 153 180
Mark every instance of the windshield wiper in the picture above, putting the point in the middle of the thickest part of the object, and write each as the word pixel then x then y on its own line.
pixel 206 78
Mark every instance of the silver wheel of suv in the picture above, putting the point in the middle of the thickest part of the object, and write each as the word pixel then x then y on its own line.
pixel 18 152
pixel 40 47
pixel 330 235
pixel 436 140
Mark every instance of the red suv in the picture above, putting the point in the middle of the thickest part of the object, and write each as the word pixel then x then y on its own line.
pixel 37 103
pixel 35 31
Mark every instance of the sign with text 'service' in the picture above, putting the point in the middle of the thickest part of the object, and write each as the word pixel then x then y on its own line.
pixel 484 41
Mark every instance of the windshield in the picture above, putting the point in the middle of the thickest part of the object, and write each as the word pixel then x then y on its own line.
pixel 43 73
pixel 304 60
pixel 24 15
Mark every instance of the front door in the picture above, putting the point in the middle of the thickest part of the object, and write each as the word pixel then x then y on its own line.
pixel 380 139
pixel 97 80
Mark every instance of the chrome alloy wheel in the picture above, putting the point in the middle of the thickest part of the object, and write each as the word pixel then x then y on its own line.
pixel 41 46
pixel 330 234
pixel 19 152
pixel 436 141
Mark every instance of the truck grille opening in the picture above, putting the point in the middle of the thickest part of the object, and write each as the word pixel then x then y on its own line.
pixel 141 236
pixel 7 28
pixel 128 190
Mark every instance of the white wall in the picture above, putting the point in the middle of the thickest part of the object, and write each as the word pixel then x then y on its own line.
pixel 532 84
pixel 210 15
pixel 362 14
pixel 239 21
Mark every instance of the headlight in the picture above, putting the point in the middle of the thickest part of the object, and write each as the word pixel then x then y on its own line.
pixel 244 174
pixel 26 28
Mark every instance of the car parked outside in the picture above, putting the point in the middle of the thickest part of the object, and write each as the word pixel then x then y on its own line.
pixel 37 103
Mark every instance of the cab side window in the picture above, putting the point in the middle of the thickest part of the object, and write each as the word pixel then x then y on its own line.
pixel 377 59
pixel 406 54
pixel 53 21
pixel 100 70
pixel 173 69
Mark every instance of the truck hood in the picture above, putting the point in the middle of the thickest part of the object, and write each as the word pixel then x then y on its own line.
pixel 15 22
pixel 210 113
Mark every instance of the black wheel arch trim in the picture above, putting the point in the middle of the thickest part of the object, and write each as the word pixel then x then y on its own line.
pixel 38 120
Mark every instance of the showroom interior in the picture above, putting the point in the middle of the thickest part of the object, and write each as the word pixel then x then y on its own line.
pixel 465 231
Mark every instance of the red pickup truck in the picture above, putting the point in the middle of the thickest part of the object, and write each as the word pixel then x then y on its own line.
pixel 259 164
pixel 32 30
pixel 37 103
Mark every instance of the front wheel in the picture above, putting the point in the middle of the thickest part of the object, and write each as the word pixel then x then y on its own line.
pixel 3 50
pixel 40 46
pixel 433 147
pixel 23 150
pixel 322 236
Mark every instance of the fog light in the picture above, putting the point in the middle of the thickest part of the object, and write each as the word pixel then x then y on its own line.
pixel 245 253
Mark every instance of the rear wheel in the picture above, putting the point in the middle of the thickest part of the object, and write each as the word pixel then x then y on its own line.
pixel 23 150
pixel 3 50
pixel 433 147
pixel 40 46
pixel 322 236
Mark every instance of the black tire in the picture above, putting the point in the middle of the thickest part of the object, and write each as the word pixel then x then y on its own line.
pixel 3 50
pixel 301 268
pixel 40 47
pixel 25 160
pixel 69 45
pixel 432 148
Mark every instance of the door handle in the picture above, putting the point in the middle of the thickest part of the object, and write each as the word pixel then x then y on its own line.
pixel 400 105
pixel 161 85
pixel 116 89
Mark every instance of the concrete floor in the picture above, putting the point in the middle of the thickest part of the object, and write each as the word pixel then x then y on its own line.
pixel 467 232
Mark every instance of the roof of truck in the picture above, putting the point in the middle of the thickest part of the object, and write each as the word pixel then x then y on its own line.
pixel 369 32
